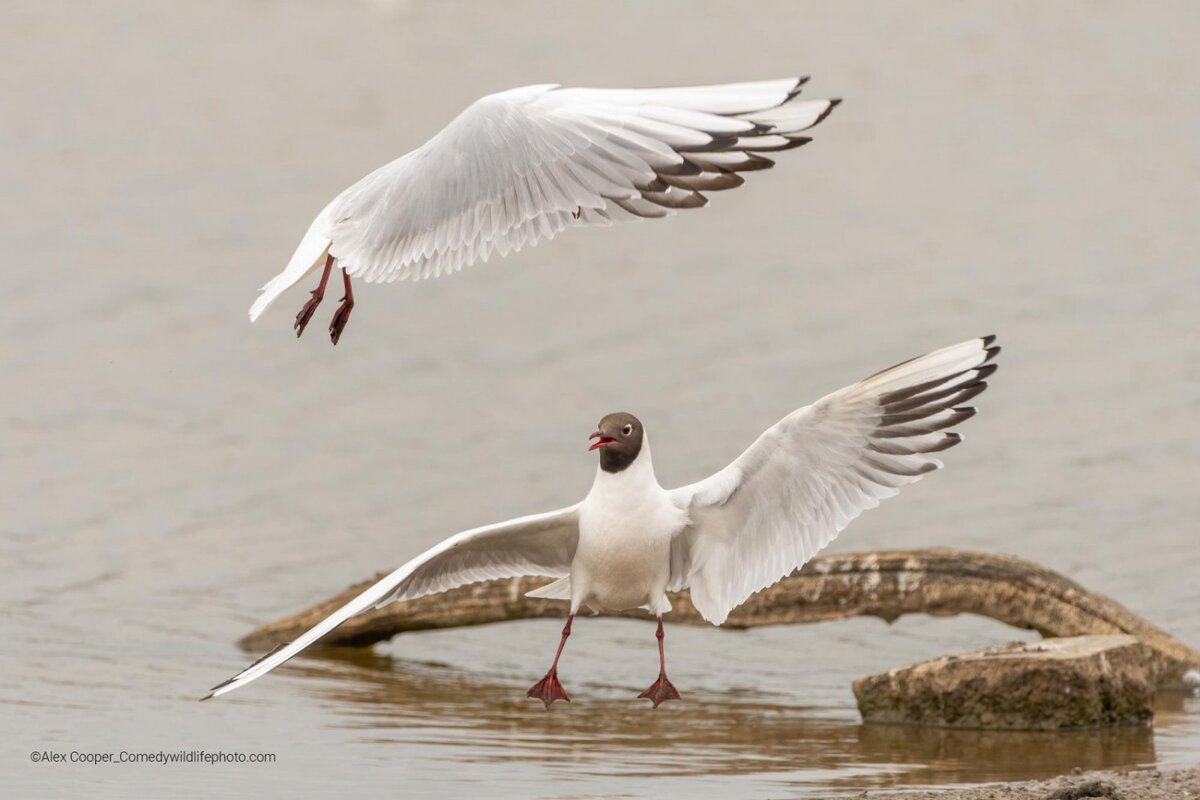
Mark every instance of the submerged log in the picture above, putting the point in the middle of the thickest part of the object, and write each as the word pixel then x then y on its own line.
pixel 1072 682
pixel 885 584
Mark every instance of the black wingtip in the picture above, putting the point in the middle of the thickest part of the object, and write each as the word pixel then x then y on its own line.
pixel 833 103
pixel 983 372
pixel 803 79
pixel 947 441
pixel 213 691
pixel 987 340
pixel 992 352
pixel 721 141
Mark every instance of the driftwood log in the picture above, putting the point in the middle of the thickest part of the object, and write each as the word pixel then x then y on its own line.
pixel 885 584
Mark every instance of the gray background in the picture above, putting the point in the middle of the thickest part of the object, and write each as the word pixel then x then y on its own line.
pixel 173 476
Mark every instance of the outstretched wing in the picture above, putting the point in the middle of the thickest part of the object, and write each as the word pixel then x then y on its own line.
pixel 519 166
pixel 809 475
pixel 542 544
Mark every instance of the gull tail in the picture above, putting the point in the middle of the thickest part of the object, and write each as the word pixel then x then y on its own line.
pixel 309 255
pixel 557 590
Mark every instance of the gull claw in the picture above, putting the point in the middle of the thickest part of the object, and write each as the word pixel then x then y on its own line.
pixel 340 318
pixel 548 689
pixel 307 311
pixel 661 691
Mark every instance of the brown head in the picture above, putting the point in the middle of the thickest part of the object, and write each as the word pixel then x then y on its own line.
pixel 619 440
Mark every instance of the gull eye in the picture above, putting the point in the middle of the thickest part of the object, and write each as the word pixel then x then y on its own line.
pixel 628 429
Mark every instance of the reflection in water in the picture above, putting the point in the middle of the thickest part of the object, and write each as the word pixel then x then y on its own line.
pixel 712 733
pixel 934 756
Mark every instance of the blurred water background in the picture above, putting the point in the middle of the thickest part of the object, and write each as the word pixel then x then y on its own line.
pixel 173 476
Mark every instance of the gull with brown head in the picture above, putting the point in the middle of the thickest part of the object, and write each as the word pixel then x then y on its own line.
pixel 630 542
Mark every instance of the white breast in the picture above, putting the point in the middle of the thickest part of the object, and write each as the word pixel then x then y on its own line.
pixel 626 524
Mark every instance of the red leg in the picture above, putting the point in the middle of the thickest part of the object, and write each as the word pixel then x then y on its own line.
pixel 548 689
pixel 662 689
pixel 342 315
pixel 317 295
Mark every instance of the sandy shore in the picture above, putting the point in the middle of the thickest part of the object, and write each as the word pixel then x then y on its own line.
pixel 1139 785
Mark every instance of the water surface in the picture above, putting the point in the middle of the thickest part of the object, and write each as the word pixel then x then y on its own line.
pixel 174 476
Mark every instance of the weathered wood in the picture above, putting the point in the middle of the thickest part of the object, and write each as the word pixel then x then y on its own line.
pixel 886 584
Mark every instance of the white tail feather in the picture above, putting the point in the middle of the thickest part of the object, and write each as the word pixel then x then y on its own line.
pixel 309 255
pixel 557 590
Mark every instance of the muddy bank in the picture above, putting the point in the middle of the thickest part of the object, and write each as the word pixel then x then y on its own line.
pixel 1137 785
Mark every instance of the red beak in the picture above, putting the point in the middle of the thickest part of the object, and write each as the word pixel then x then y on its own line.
pixel 601 440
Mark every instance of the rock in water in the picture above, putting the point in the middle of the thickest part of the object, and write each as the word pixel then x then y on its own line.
pixel 1073 682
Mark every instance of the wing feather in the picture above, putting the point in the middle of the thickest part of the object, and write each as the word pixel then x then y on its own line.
pixel 541 544
pixel 811 474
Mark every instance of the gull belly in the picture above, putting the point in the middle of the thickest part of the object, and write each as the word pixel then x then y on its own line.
pixel 623 559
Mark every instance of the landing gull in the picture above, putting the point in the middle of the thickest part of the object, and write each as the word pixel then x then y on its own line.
pixel 630 542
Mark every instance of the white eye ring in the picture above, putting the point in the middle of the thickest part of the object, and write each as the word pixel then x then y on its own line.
pixel 628 429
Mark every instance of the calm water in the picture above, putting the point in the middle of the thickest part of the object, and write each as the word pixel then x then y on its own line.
pixel 173 476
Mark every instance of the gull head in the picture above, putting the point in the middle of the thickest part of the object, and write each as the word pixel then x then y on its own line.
pixel 618 437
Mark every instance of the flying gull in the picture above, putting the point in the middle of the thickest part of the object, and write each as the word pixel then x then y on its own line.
pixel 519 166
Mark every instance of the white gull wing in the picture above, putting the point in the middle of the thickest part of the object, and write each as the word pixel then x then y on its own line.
pixel 519 166
pixel 541 544
pixel 809 475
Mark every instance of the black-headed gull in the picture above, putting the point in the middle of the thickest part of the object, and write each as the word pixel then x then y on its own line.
pixel 519 166
pixel 630 541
